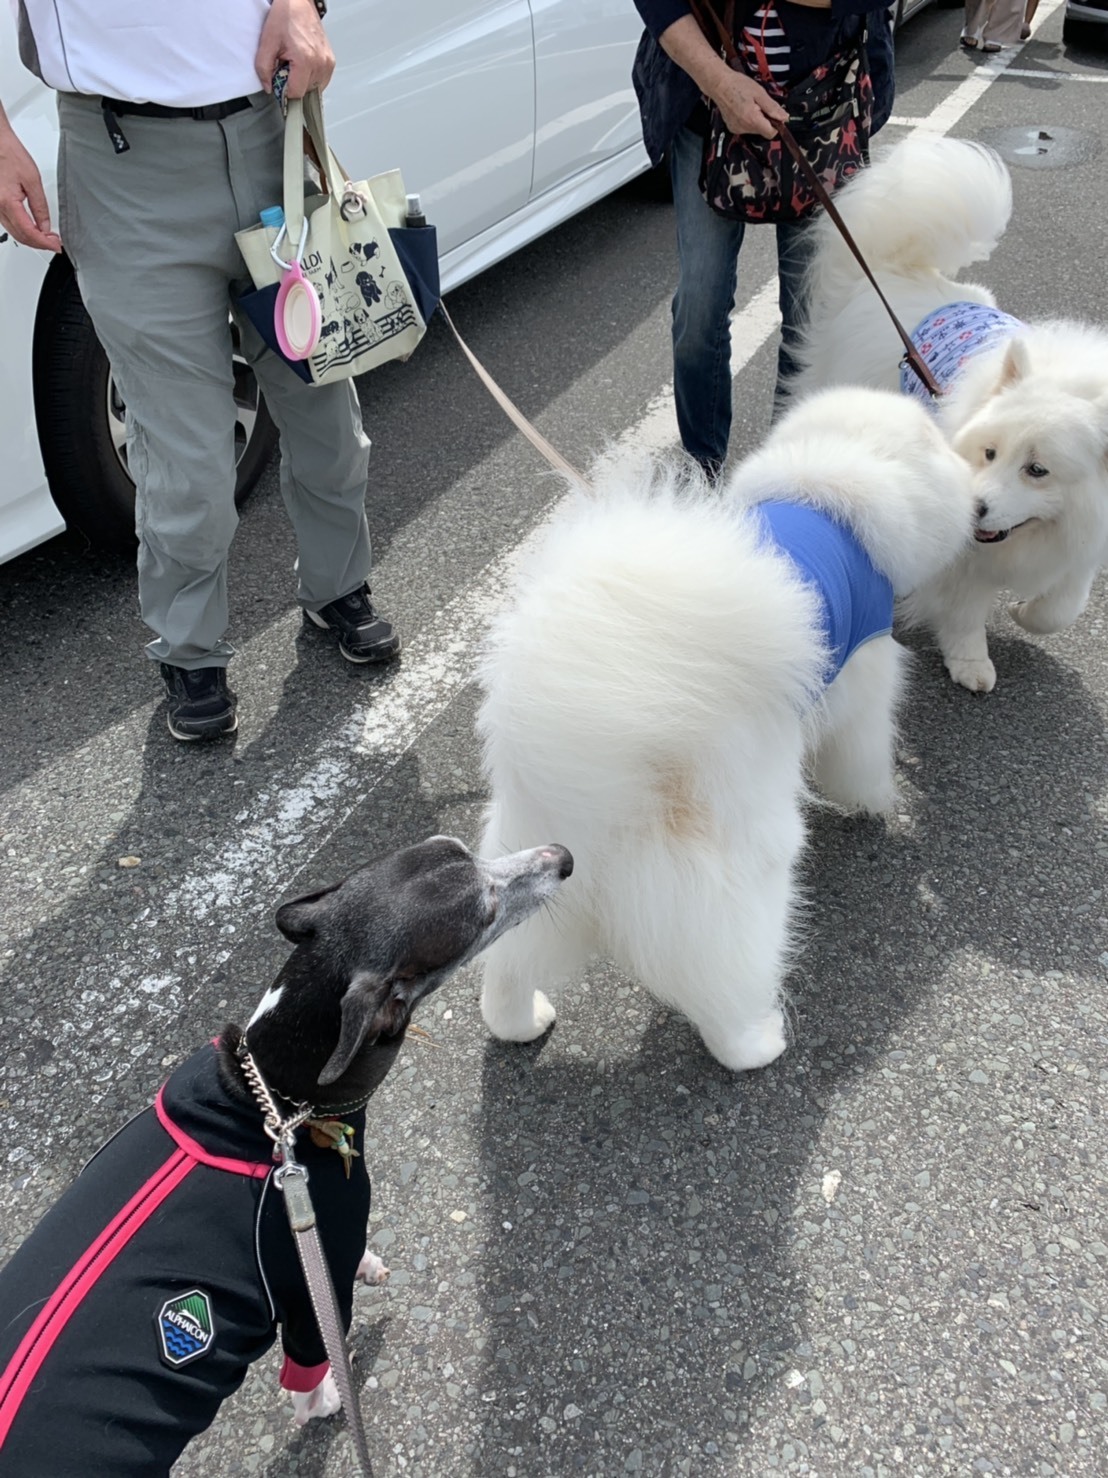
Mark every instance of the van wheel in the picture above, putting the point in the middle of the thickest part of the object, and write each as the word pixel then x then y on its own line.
pixel 80 416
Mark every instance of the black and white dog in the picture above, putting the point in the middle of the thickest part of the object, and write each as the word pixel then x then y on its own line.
pixel 134 1308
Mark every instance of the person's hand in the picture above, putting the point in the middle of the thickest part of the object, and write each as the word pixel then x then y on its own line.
pixel 746 107
pixel 23 209
pixel 292 33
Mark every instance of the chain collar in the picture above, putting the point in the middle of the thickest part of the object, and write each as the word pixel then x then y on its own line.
pixel 282 1131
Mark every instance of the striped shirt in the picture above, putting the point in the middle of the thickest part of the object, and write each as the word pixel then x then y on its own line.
pixel 764 47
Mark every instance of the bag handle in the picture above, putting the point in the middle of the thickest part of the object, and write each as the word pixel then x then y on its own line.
pixel 305 115
pixel 726 40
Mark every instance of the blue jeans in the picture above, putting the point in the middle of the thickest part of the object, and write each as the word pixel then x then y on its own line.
pixel 707 255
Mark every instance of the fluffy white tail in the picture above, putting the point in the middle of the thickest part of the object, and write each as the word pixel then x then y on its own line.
pixel 647 624
pixel 931 205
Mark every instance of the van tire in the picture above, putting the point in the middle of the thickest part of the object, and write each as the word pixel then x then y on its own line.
pixel 77 410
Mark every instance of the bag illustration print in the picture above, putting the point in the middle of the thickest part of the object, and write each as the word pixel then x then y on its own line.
pixel 747 177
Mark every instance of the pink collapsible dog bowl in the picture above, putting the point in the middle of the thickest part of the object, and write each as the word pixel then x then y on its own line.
pixel 297 318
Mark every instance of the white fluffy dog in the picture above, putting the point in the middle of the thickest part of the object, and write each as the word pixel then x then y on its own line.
pixel 1027 405
pixel 656 684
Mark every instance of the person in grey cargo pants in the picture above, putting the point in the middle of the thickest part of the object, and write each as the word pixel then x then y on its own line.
pixel 168 147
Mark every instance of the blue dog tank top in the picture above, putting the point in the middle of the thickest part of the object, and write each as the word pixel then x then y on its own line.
pixel 856 599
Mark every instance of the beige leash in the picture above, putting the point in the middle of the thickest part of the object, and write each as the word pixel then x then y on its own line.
pixel 513 412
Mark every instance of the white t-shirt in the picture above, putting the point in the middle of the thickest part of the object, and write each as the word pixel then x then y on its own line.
pixel 180 53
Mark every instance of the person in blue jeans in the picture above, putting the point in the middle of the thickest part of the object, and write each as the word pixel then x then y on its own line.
pixel 676 68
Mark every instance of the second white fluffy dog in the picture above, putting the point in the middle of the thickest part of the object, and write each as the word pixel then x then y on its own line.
pixel 658 682
pixel 1026 404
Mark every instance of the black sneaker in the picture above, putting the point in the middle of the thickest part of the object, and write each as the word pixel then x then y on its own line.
pixel 364 635
pixel 201 705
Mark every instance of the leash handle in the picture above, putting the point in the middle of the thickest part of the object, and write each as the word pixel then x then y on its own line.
pixel 292 1181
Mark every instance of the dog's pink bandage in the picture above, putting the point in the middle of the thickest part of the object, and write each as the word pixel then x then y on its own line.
pixel 302 1378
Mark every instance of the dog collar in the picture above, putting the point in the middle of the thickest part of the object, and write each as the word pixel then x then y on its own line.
pixel 282 1129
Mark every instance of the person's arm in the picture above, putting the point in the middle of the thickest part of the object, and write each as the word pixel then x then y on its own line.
pixel 23 209
pixel 293 33
pixel 745 105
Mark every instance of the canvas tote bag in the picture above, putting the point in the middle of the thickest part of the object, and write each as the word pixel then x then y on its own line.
pixel 342 243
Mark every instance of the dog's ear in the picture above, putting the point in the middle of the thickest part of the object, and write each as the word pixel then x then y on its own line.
pixel 299 919
pixel 364 1015
pixel 1016 364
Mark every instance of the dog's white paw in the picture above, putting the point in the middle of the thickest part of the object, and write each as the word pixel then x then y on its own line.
pixel 515 1025
pixel 324 1400
pixel 1038 617
pixel 979 677
pixel 880 801
pixel 372 1270
pixel 754 1046
pixel 1018 612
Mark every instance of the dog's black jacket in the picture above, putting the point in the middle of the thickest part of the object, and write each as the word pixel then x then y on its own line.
pixel 179 1202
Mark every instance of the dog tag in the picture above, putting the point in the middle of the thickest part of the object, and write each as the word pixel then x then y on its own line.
pixel 334 1134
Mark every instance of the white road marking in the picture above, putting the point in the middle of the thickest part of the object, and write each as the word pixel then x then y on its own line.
pixel 1044 74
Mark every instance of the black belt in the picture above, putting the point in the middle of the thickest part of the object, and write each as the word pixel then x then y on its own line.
pixel 113 108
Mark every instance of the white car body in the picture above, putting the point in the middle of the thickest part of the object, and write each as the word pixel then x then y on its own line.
pixel 506 116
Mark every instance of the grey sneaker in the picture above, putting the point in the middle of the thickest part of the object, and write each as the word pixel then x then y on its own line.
pixel 364 635
pixel 201 705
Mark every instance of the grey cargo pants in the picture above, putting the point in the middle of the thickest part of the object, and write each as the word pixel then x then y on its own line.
pixel 150 233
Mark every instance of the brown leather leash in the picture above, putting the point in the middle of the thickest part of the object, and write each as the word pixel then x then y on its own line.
pixel 911 353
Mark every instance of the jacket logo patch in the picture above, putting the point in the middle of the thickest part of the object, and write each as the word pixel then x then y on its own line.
pixel 185 1328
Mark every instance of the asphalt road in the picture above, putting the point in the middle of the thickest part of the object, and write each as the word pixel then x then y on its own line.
pixel 886 1253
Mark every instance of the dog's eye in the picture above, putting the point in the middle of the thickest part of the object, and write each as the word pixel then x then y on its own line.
pixel 1036 469
pixel 990 454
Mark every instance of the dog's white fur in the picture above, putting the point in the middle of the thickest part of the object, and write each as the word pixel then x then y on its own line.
pixel 924 212
pixel 651 694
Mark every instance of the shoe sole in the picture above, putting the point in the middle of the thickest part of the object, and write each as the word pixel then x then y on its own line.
pixel 207 733
pixel 385 652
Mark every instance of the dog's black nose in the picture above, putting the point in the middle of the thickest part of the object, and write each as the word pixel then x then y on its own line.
pixel 565 859
pixel 981 508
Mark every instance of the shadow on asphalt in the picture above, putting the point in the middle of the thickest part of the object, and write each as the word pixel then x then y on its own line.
pixel 662 1209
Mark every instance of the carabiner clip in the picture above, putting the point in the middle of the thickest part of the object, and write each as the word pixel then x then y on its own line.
pixel 281 234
